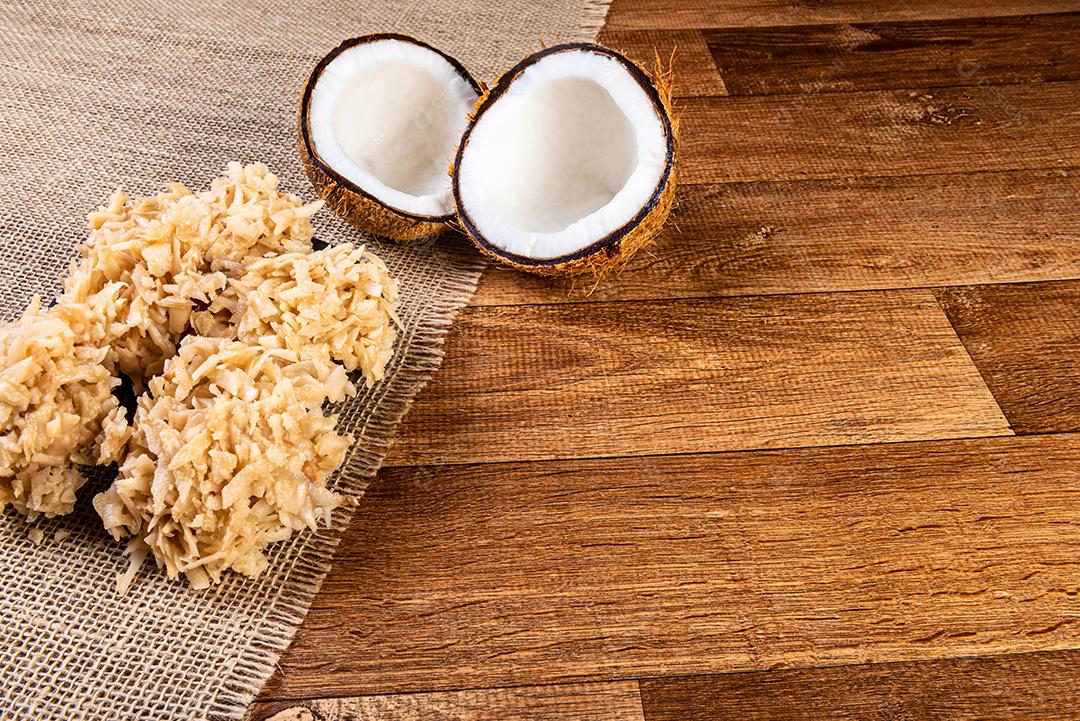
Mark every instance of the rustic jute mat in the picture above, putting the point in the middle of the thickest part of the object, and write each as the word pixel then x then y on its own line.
pixel 99 94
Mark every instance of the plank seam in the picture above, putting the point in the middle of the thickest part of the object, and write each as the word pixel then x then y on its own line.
pixel 727 452
pixel 898 89
pixel 462 689
pixel 743 296
pixel 971 359
pixel 618 27
pixel 1073 650
pixel 641 700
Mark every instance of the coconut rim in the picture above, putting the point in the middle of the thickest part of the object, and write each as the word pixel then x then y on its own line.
pixel 305 109
pixel 609 242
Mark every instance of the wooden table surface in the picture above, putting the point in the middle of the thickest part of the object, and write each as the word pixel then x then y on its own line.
pixel 817 455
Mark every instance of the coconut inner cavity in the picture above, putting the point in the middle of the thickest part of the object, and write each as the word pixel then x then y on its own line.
pixel 387 115
pixel 563 153
pixel 397 121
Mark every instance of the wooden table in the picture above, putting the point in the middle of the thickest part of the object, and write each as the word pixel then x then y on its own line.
pixel 815 455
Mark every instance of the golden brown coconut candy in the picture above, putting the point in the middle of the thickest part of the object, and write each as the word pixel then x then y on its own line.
pixel 230 453
pixel 56 402
pixel 335 303
pixel 176 250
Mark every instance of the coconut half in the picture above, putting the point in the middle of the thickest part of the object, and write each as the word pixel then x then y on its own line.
pixel 380 118
pixel 568 163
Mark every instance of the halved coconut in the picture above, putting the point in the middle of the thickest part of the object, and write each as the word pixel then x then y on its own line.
pixel 380 118
pixel 568 163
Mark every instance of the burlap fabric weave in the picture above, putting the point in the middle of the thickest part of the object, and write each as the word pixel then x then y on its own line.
pixel 135 94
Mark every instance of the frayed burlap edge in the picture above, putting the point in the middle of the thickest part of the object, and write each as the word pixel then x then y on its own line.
pixel 255 665
pixel 36 682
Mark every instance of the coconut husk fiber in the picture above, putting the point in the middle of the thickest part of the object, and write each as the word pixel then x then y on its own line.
pixel 138 94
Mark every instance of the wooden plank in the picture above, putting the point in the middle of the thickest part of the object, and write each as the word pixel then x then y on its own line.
pixel 889 132
pixel 497 575
pixel 652 14
pixel 911 54
pixel 1029 686
pixel 695 71
pixel 1025 339
pixel 616 379
pixel 832 235
pixel 569 702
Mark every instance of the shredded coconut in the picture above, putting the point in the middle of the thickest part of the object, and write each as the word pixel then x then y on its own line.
pixel 336 303
pixel 216 304
pixel 231 452
pixel 56 402
pixel 175 251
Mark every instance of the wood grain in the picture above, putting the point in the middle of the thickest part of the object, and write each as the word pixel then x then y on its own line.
pixel 652 14
pixel 833 235
pixel 912 54
pixel 993 688
pixel 1025 340
pixel 616 379
pixel 569 702
pixel 891 132
pixel 497 575
pixel 652 482
pixel 695 71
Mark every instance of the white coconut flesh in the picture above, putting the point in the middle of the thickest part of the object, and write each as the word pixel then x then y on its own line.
pixel 387 116
pixel 571 151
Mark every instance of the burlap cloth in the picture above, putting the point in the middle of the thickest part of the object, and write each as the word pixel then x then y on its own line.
pixel 99 94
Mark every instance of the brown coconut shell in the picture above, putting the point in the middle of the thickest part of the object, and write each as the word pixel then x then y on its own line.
pixel 360 208
pixel 617 247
